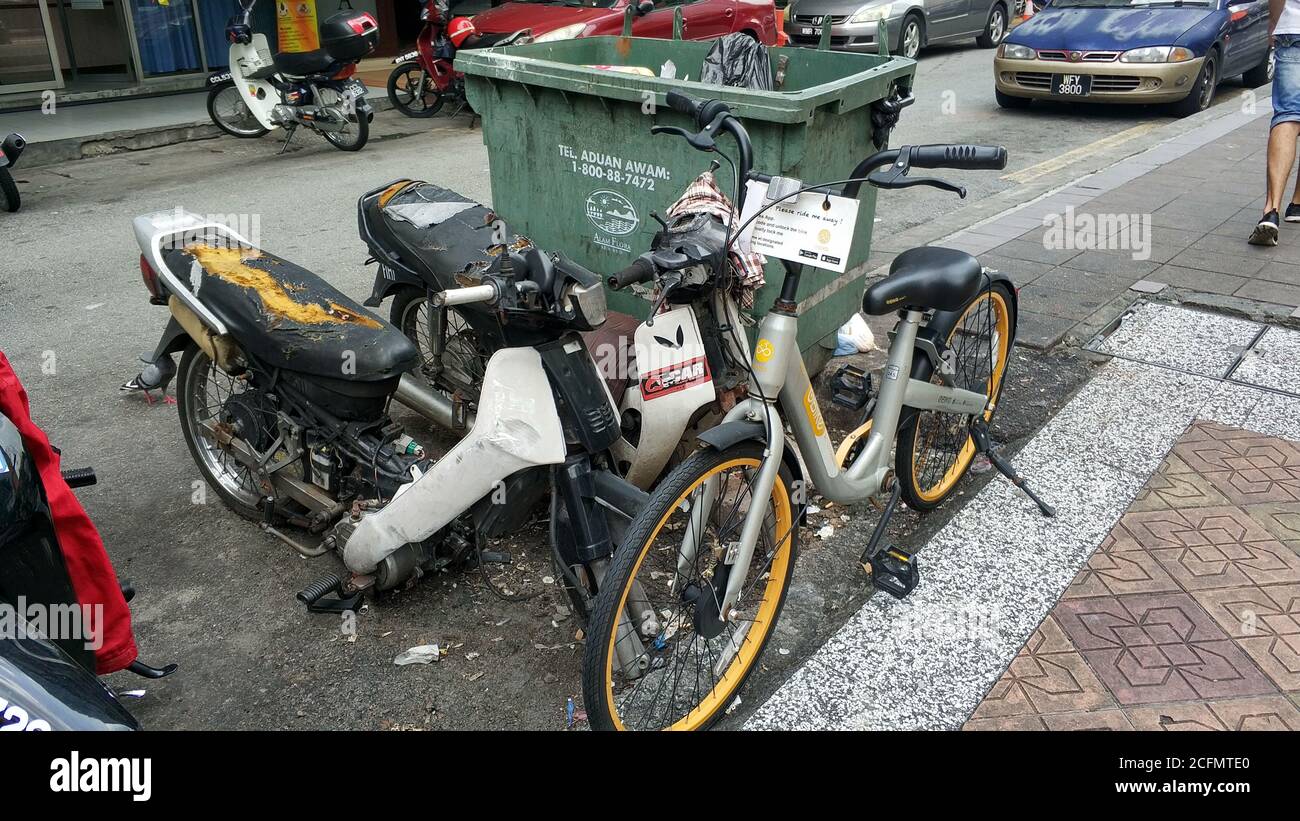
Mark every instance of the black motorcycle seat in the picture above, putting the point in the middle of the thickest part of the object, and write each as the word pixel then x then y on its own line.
pixel 942 279
pixel 288 317
pixel 303 63
pixel 462 241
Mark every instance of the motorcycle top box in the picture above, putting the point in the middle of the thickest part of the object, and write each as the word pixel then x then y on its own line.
pixel 349 36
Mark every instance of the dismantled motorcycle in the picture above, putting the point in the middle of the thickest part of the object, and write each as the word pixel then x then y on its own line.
pixel 283 392
pixel 671 376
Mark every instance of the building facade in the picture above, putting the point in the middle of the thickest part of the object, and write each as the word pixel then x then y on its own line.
pixel 93 48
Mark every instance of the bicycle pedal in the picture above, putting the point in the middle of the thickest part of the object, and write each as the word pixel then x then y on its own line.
pixel 894 571
pixel 851 387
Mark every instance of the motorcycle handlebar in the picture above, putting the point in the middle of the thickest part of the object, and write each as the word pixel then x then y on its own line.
pixel 642 270
pixel 464 296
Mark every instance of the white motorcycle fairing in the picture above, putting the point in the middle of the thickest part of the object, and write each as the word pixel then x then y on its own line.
pixel 673 382
pixel 260 96
pixel 517 427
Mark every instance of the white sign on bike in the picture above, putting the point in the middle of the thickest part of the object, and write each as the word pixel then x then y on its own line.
pixel 815 229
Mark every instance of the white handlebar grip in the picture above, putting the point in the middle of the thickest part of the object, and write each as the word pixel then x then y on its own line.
pixel 463 296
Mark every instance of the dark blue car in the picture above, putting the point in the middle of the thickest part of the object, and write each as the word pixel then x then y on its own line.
pixel 1134 51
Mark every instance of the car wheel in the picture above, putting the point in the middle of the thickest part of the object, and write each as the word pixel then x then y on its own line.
pixel 1261 74
pixel 995 29
pixel 1202 93
pixel 1007 101
pixel 911 36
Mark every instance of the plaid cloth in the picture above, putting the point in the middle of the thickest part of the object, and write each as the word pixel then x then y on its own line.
pixel 703 196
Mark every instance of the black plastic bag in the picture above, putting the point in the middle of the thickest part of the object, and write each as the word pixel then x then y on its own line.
pixel 738 60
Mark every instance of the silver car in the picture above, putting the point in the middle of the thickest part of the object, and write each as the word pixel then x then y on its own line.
pixel 911 24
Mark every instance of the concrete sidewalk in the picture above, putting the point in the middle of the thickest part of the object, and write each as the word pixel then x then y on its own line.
pixel 1171 221
pixel 73 132
pixel 1174 472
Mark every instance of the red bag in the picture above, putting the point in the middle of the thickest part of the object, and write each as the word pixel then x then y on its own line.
pixel 91 572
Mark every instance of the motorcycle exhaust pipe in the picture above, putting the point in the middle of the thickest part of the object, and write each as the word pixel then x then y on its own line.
pixel 433 406
pixel 12 147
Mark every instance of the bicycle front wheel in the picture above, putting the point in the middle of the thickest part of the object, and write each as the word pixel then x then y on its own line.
pixel 935 449
pixel 658 656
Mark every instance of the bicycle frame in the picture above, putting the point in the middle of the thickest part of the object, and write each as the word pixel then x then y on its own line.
pixel 780 382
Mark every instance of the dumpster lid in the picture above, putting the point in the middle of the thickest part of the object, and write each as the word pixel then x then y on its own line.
pixel 844 80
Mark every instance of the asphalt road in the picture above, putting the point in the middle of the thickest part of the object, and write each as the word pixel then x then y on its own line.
pixel 216 595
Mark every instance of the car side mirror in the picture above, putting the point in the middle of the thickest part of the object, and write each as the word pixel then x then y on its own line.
pixel 644 7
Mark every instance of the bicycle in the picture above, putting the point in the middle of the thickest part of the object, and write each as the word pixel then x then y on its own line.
pixel 698 583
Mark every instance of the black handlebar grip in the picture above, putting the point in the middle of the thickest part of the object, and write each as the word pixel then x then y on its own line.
pixel 640 271
pixel 678 101
pixel 972 157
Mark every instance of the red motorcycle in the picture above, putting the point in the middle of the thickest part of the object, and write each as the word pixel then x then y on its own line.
pixel 424 79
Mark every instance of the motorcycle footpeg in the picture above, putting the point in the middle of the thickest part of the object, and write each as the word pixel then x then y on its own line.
pixel 315 595
pixel 894 571
pixel 851 387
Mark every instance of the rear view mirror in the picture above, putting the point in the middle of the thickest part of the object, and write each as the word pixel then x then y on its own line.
pixel 644 7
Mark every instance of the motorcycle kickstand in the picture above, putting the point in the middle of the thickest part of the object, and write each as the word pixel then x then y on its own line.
pixel 288 138
pixel 891 568
pixel 979 432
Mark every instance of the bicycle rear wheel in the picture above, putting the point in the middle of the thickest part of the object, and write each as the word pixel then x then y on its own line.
pixel 657 656
pixel 935 449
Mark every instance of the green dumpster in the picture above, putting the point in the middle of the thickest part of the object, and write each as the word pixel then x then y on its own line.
pixel 574 166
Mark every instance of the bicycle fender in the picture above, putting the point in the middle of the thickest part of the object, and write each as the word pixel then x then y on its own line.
pixel 942 323
pixel 728 434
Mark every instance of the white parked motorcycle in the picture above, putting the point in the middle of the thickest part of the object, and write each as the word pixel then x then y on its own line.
pixel 262 91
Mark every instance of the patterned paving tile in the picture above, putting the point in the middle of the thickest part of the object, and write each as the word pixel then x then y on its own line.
pixel 1265 622
pixel 1216 547
pixel 1282 519
pixel 1260 713
pixel 1158 647
pixel 1047 676
pixel 1176 486
pixel 1246 468
pixel 1188 613
pixel 1114 570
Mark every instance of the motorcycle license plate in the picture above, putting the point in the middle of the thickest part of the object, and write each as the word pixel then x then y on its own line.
pixel 354 90
pixel 218 78
pixel 410 55
pixel 1071 85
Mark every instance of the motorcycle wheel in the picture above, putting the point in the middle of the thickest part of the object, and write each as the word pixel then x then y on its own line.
pixel 9 191
pixel 463 360
pixel 402 91
pixel 353 137
pixel 202 391
pixel 230 113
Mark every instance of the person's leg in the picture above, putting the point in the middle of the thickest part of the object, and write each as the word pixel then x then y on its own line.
pixel 1281 156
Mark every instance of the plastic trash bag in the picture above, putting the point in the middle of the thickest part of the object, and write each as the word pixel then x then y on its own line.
pixel 854 336
pixel 738 60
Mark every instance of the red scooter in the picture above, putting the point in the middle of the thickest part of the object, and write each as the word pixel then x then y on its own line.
pixel 424 79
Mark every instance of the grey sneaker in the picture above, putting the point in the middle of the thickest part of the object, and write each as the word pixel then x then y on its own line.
pixel 1265 232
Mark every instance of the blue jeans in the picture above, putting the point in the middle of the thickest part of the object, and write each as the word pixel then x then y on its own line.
pixel 1286 79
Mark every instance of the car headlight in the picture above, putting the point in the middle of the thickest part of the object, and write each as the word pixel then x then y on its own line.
pixel 1011 51
pixel 1157 54
pixel 562 33
pixel 871 14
